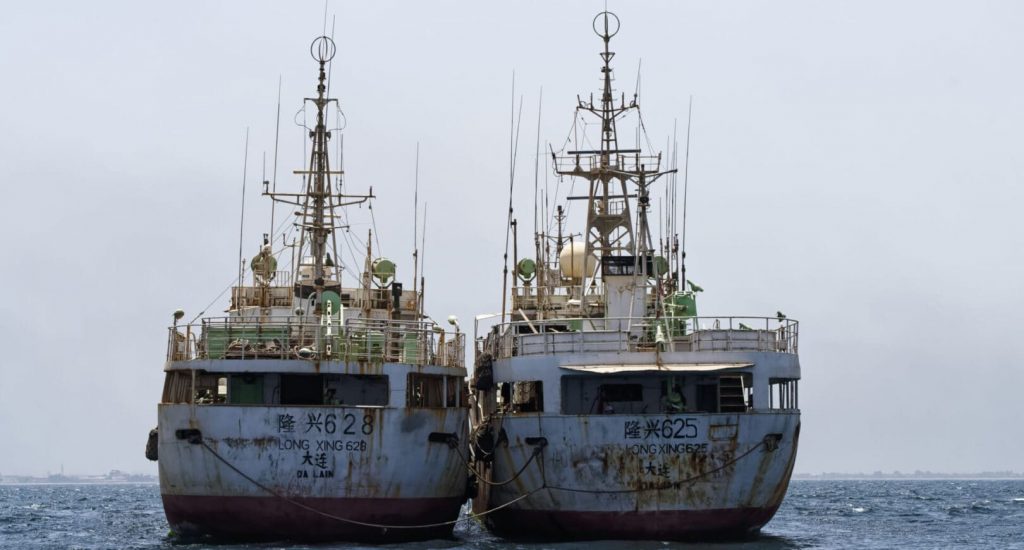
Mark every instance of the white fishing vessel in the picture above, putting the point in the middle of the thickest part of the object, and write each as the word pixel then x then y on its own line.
pixel 313 410
pixel 604 405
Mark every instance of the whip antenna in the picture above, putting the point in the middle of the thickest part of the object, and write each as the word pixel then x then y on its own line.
pixel 241 223
pixel 277 136
pixel 686 180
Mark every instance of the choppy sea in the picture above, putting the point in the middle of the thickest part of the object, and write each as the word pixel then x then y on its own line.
pixel 815 514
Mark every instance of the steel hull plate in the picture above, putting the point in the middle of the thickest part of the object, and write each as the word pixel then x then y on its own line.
pixel 270 518
pixel 280 472
pixel 639 477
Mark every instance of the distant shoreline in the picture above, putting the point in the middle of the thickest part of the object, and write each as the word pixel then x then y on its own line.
pixel 115 477
pixel 103 482
pixel 1007 476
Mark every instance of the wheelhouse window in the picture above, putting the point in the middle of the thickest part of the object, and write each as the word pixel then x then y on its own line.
pixel 433 391
pixel 527 397
pixel 613 394
pixel 782 393
pixel 626 265
pixel 245 388
pixel 211 389
pixel 302 389
pixel 621 398
pixel 453 395
pixel 177 387
pixel 350 390
pixel 361 390
pixel 657 394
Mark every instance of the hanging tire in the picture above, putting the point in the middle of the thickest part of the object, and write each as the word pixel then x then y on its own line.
pixel 151 445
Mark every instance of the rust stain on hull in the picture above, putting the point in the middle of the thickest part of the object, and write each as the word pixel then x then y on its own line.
pixel 264 518
pixel 610 486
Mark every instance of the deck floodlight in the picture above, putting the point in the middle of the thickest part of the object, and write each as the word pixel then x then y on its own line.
pixel 694 287
pixel 178 314
pixel 454 321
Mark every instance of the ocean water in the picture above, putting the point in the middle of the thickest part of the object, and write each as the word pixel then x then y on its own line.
pixel 815 514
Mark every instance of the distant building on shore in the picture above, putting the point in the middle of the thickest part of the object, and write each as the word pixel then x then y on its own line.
pixel 114 476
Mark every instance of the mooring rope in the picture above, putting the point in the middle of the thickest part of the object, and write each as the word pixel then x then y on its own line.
pixel 662 487
pixel 769 442
pixel 480 477
pixel 352 521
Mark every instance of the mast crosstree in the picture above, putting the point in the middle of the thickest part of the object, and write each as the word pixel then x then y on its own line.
pixel 610 169
pixel 318 201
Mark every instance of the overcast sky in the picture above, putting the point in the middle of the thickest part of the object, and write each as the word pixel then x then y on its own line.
pixel 856 165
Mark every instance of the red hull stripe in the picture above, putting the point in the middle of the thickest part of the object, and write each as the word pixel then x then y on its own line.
pixel 274 518
pixel 654 525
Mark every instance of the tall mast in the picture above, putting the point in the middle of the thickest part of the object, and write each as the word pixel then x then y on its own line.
pixel 609 170
pixel 319 168
pixel 318 202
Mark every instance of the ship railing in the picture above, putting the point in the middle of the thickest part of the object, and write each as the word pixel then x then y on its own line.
pixel 552 297
pixel 639 334
pixel 560 296
pixel 278 293
pixel 588 163
pixel 297 337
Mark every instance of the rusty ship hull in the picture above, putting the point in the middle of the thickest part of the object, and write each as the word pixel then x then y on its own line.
pixel 311 472
pixel 619 477
pixel 314 410
pixel 263 518
pixel 605 406
pixel 581 463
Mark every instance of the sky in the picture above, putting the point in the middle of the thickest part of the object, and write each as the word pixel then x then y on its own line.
pixel 856 165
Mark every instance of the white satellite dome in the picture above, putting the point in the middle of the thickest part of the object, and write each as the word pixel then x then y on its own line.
pixel 570 261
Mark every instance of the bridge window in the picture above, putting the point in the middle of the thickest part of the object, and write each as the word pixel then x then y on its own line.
pixel 272 389
pixel 433 391
pixel 353 390
pixel 246 389
pixel 211 389
pixel 527 397
pixel 619 398
pixel 361 390
pixel 613 394
pixel 302 389
pixel 782 393
pixel 177 387
pixel 453 395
